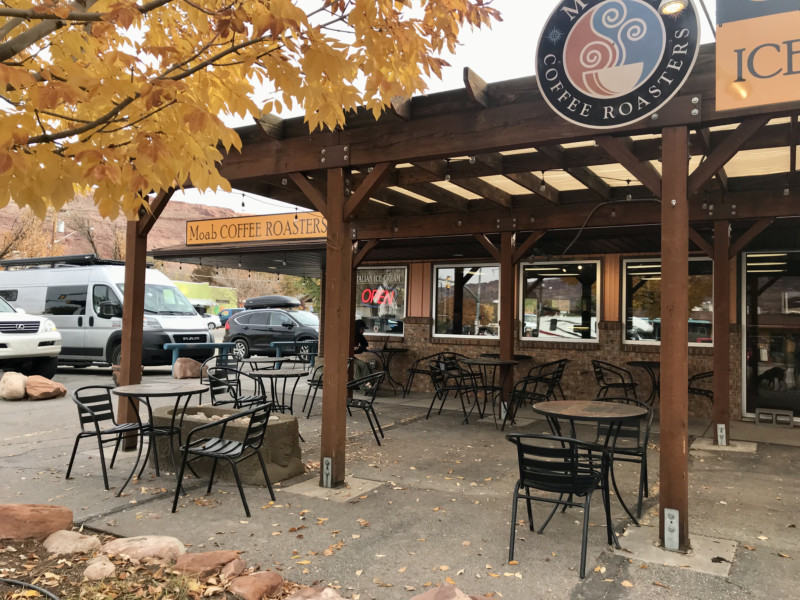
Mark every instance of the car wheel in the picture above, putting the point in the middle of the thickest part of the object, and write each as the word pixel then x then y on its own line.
pixel 241 348
pixel 46 367
pixel 212 326
pixel 116 354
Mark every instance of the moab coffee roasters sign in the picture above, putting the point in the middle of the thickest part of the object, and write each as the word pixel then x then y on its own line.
pixel 262 228
pixel 758 52
pixel 608 63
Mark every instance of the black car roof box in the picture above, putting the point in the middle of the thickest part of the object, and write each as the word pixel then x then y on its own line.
pixel 271 302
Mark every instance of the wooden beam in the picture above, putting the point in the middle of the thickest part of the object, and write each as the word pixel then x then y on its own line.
pixel 508 306
pixel 476 88
pixel 444 198
pixel 621 149
pixel 583 174
pixel 401 107
pixel 272 126
pixel 311 192
pixel 674 457
pixel 157 207
pixel 521 250
pixel 704 135
pixel 701 243
pixel 534 184
pixel 362 253
pixel 485 190
pixel 720 411
pixel 367 187
pixel 494 252
pixel 720 155
pixel 749 235
pixel 337 334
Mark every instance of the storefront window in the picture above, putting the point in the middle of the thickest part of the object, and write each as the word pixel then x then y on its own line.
pixel 559 301
pixel 643 301
pixel 772 317
pixel 381 299
pixel 467 300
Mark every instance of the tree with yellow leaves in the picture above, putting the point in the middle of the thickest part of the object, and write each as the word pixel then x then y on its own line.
pixel 124 98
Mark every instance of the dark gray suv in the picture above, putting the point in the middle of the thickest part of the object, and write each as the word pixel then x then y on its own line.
pixel 254 330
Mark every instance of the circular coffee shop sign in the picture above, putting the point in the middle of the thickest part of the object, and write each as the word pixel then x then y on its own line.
pixel 608 63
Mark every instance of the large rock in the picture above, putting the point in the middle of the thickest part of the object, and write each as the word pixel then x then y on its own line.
pixel 98 568
pixel 71 542
pixel 23 521
pixel 186 368
pixel 257 585
pixel 162 547
pixel 444 592
pixel 12 386
pixel 205 564
pixel 315 594
pixel 42 388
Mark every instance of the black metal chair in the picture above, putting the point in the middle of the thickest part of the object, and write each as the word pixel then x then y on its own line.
pixel 420 366
pixel 698 390
pixel 448 377
pixel 314 385
pixel 612 378
pixel 96 415
pixel 524 392
pixel 226 387
pixel 369 386
pixel 562 466
pixel 220 447
pixel 548 382
pixel 630 441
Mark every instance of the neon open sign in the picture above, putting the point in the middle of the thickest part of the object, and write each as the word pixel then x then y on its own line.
pixel 378 296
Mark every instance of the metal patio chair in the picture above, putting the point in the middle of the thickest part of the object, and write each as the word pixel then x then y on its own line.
pixel 612 378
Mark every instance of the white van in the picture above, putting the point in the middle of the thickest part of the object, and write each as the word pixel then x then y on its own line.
pixel 83 296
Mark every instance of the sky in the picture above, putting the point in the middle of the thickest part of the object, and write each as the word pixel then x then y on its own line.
pixel 506 51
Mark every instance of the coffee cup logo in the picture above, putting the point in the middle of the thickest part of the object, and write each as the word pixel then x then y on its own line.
pixel 607 63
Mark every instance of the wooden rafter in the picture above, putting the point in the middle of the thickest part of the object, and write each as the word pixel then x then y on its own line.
pixel 493 250
pixel 583 174
pixel 699 241
pixel 485 190
pixel 720 155
pixel 533 183
pixel 522 249
pixel 749 235
pixel 476 88
pixel 363 251
pixel 621 149
pixel 443 197
pixel 401 107
pixel 271 126
pixel 704 135
pixel 371 182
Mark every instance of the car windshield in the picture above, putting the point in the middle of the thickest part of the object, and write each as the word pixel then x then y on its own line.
pixel 306 318
pixel 164 300
pixel 5 307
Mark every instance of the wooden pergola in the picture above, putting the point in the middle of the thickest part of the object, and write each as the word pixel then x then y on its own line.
pixel 491 164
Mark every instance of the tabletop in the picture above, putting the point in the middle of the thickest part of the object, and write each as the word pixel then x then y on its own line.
pixel 278 373
pixel 589 410
pixel 155 390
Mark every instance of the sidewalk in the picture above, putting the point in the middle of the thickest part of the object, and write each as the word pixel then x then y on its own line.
pixel 433 503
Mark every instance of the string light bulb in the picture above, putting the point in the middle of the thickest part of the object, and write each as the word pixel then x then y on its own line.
pixel 628 196
pixel 295 214
pixel 543 184
pixel 786 190
pixel 447 169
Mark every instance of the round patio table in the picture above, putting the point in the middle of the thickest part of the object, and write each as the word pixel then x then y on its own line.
pixel 385 355
pixel 279 379
pixel 610 414
pixel 144 393
pixel 490 375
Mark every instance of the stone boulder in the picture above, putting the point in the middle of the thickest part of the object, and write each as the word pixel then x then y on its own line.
pixel 257 585
pixel 71 542
pixel 42 388
pixel 23 521
pixel 205 564
pixel 186 368
pixel 98 568
pixel 315 594
pixel 12 386
pixel 162 547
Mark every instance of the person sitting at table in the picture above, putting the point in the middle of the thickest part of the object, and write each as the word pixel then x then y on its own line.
pixel 361 368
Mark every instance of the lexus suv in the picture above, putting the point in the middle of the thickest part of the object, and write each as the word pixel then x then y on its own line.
pixel 28 344
pixel 252 331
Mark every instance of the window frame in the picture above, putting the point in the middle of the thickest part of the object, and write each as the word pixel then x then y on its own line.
pixel 598 301
pixel 357 299
pixel 434 288
pixel 624 296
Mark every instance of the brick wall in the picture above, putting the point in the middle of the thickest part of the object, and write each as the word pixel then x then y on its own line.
pixel 578 381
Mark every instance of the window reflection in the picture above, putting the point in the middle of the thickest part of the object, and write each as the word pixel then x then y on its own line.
pixel 643 301
pixel 467 300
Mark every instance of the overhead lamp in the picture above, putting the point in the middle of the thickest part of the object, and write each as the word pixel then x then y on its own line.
pixel 672 7
pixel 786 190
pixel 543 185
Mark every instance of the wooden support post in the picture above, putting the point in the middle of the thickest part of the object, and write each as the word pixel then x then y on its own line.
pixel 336 335
pixel 720 413
pixel 674 457
pixel 130 368
pixel 507 303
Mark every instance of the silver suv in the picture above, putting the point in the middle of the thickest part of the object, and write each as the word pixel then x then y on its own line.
pixel 28 344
